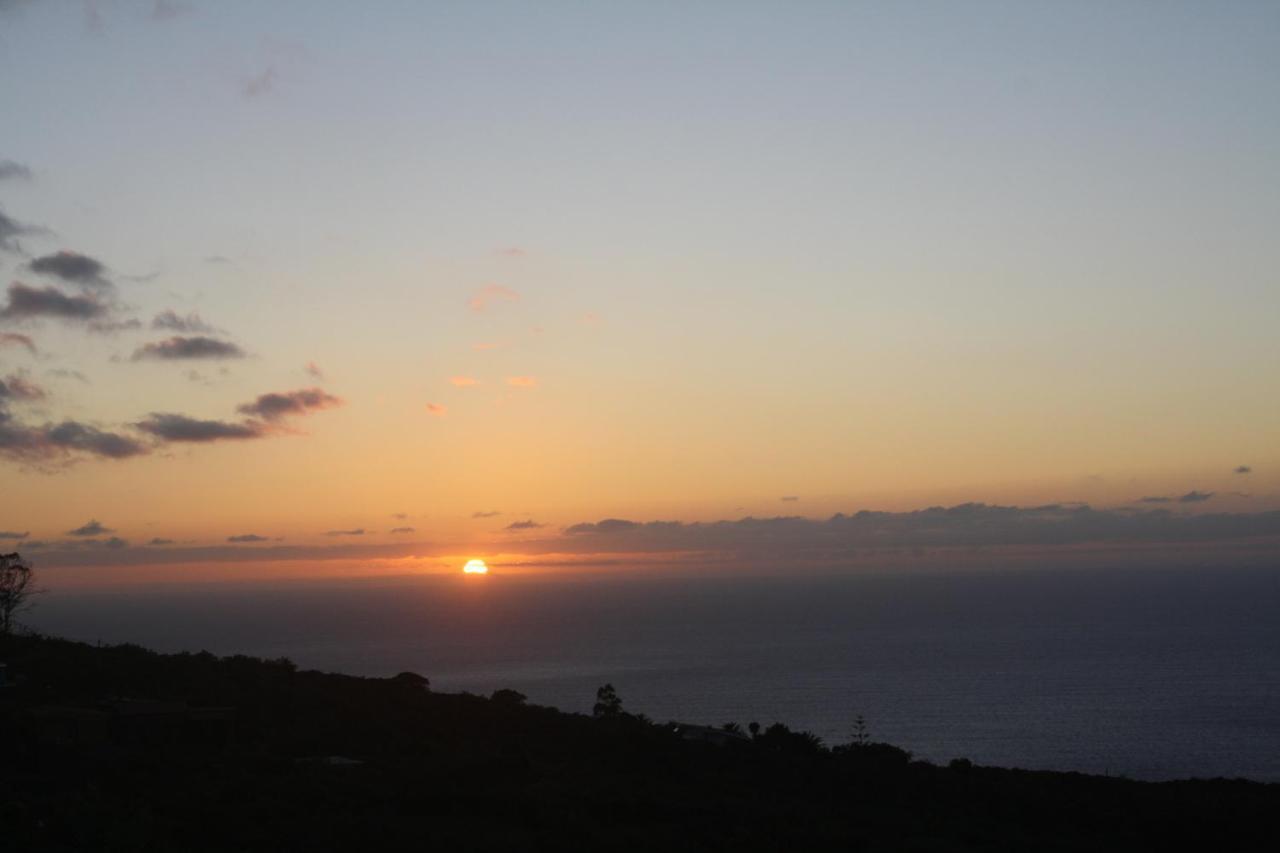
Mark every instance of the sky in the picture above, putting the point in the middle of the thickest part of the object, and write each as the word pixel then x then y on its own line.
pixel 308 288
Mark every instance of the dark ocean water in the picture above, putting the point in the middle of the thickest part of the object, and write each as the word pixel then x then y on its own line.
pixel 1153 674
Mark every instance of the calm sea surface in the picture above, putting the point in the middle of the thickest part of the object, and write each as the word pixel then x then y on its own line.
pixel 1150 674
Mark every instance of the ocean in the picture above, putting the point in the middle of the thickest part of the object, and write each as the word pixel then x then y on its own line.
pixel 1150 674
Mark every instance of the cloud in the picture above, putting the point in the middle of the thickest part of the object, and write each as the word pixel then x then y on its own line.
pixel 483 514
pixel 490 294
pixel 437 410
pixel 400 515
pixel 110 327
pixel 1062 529
pixel 160 541
pixel 1243 469
pixel 529 524
pixel 170 320
pixel 9 534
pixel 1155 499
pixel 789 498
pixel 247 537
pixel 170 427
pixel 277 405
pixel 167 10
pixel 15 387
pixel 11 230
pixel 27 302
pixel 357 531
pixel 11 171
pixel 93 527
pixel 63 373
pixel 1194 497
pixel 13 339
pixel 73 268
pixel 608 525
pixel 260 84
pixel 522 381
pixel 463 381
pixel 60 442
pixel 179 347
pixel 313 370
pixel 402 530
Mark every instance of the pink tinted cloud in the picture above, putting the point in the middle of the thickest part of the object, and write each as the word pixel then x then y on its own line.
pixel 490 294
pixel 437 410
pixel 463 381
pixel 314 370
pixel 522 381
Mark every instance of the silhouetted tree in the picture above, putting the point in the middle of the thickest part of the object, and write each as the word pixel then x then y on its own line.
pixel 732 727
pixel 507 696
pixel 859 736
pixel 754 728
pixel 607 702
pixel 17 586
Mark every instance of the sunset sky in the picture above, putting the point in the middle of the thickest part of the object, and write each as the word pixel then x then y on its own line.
pixel 307 287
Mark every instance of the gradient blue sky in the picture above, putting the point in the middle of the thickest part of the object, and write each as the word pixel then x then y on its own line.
pixel 858 254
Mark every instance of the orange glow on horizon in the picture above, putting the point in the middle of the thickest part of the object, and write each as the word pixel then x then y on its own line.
pixel 475 567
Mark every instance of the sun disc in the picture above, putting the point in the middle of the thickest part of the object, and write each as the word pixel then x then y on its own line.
pixel 475 567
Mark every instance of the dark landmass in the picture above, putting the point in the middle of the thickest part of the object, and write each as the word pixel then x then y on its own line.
pixel 119 748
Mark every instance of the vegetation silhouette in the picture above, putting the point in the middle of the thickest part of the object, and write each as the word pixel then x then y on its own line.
pixel 17 588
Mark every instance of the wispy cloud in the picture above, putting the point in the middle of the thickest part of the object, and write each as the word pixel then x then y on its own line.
pixel 313 370
pixel 13 339
pixel 167 10
pixel 402 530
pixel 528 524
pixel 10 534
pixel 260 83
pixel 18 388
pixel 490 294
pixel 62 442
pixel 171 427
pixel 1194 497
pixel 281 404
pixel 11 171
pixel 522 381
pixel 438 410
pixel 11 230
pixel 357 531
pixel 463 381
pixel 172 321
pixel 485 514
pixel 247 537
pixel 93 527
pixel 179 348
pixel 26 303
pixel 73 268
pixel 1243 469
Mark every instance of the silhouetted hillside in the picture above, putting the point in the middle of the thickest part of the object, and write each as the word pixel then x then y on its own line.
pixel 119 748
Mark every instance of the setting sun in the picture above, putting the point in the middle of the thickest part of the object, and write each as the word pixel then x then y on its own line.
pixel 475 567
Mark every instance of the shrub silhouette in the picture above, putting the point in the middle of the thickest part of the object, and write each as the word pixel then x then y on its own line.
pixel 17 586
pixel 607 702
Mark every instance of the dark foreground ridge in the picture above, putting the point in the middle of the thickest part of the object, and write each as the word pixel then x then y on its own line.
pixel 120 748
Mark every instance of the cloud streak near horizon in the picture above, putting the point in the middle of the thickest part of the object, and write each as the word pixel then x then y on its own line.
pixel 1059 533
